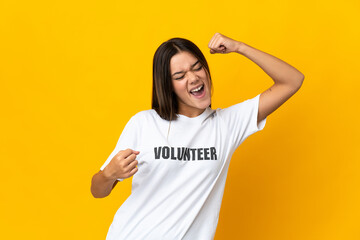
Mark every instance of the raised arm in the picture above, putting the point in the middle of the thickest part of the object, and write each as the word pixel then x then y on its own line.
pixel 287 79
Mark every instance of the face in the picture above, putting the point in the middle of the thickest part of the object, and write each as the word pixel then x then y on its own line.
pixel 191 84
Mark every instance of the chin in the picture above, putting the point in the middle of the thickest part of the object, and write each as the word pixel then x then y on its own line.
pixel 205 104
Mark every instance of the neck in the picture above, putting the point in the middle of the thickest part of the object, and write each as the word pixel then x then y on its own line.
pixel 193 112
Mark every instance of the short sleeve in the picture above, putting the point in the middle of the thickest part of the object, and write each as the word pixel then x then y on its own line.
pixel 127 139
pixel 241 120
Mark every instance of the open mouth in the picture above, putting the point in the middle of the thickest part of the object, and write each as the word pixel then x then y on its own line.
pixel 198 91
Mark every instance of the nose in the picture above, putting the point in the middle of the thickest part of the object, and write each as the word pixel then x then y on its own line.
pixel 193 78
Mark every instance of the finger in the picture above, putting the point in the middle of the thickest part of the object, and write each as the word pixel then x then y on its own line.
pixel 222 48
pixel 136 152
pixel 214 45
pixel 129 159
pixel 218 43
pixel 125 153
pixel 132 165
pixel 213 39
pixel 213 49
pixel 133 171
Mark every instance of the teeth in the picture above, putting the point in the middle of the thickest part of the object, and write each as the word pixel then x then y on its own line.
pixel 197 89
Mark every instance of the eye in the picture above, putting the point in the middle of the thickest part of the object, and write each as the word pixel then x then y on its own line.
pixel 198 69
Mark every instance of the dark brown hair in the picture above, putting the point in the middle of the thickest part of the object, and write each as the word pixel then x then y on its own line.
pixel 164 100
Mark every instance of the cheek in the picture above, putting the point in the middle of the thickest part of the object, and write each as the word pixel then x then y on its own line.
pixel 204 76
pixel 179 88
pixel 203 72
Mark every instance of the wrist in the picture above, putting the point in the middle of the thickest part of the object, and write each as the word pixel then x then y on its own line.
pixel 240 48
pixel 107 176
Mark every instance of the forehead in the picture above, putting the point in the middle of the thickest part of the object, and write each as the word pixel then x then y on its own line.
pixel 182 60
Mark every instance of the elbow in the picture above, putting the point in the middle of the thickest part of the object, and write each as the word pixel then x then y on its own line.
pixel 302 78
pixel 93 193
pixel 96 195
pixel 299 83
pixel 95 190
pixel 99 196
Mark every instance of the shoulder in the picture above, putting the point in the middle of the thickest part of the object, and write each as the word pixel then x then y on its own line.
pixel 140 114
pixel 144 115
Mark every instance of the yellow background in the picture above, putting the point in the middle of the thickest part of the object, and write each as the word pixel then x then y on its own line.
pixel 73 73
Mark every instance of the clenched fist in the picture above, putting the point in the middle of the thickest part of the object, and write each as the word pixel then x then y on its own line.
pixel 122 165
pixel 222 44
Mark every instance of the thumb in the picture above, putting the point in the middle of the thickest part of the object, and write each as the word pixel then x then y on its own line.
pixel 212 51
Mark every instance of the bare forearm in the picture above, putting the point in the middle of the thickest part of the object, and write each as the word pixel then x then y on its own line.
pixel 101 185
pixel 280 71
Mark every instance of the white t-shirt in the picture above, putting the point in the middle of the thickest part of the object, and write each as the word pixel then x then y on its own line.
pixel 177 191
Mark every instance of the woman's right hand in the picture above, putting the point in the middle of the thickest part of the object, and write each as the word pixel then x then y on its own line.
pixel 122 165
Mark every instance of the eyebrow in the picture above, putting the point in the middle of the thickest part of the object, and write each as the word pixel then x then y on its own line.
pixel 191 66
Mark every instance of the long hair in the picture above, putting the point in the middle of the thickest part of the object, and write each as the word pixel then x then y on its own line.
pixel 164 100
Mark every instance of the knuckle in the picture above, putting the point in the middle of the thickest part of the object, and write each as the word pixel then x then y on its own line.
pixel 118 159
pixel 122 165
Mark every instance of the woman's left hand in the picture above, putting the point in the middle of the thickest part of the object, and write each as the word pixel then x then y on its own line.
pixel 222 44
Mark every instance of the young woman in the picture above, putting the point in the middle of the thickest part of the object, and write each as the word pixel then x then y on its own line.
pixel 179 151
